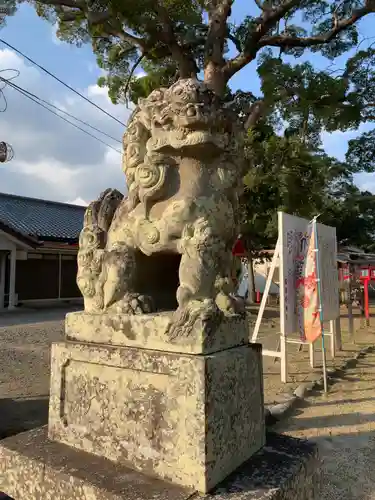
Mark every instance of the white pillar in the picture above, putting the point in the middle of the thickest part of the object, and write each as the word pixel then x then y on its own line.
pixel 3 258
pixel 12 279
pixel 59 276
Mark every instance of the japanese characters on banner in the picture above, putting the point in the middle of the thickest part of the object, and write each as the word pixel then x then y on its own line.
pixel 299 298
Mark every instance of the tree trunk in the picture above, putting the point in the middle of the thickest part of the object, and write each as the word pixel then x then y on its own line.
pixel 251 280
pixel 214 78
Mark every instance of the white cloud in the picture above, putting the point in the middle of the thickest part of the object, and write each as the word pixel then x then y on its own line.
pixel 78 201
pixel 54 160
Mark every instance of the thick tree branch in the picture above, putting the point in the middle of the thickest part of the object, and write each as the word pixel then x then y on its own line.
pixel 69 16
pixel 267 20
pixel 118 32
pixel 259 4
pixel 286 41
pixel 258 38
pixel 257 109
pixel 185 62
pixel 94 18
pixel 218 13
pixel 73 4
pixel 98 17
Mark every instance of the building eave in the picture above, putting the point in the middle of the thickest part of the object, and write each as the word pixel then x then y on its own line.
pixel 25 240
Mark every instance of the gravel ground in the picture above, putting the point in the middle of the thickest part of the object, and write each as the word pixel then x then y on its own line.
pixel 24 357
pixel 343 424
pixel 24 367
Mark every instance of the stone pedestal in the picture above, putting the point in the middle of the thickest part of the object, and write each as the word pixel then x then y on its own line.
pixel 150 331
pixel 140 423
pixel 185 418
pixel 32 467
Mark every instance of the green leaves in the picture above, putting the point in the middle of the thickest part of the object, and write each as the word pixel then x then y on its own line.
pixel 287 168
pixel 284 174
pixel 289 175
pixel 352 212
pixel 361 152
pixel 173 34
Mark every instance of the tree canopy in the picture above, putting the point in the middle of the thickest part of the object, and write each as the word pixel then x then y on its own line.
pixel 187 37
pixel 168 39
pixel 298 177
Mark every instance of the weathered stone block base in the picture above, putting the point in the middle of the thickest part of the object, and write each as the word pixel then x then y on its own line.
pixel 35 468
pixel 149 331
pixel 184 418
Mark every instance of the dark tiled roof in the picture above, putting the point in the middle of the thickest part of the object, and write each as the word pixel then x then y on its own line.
pixel 42 219
pixel 25 238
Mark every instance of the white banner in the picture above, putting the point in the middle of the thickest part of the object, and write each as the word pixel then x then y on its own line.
pixel 294 239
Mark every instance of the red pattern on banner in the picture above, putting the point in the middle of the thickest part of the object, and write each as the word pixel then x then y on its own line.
pixel 308 288
pixel 307 281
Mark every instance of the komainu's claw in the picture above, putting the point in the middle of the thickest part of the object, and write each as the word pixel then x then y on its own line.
pixel 185 318
pixel 134 304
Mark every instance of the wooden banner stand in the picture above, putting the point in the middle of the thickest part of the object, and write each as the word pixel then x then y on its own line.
pixel 281 353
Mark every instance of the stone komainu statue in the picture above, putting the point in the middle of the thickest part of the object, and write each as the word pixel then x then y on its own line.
pixel 184 176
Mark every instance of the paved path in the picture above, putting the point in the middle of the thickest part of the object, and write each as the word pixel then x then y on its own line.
pixel 343 425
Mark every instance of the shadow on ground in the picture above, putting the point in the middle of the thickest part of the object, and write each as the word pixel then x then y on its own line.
pixel 342 423
pixel 19 415
pixel 348 455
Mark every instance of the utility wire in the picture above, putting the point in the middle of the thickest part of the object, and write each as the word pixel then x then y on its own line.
pixel 60 81
pixel 1 88
pixel 17 87
pixel 25 94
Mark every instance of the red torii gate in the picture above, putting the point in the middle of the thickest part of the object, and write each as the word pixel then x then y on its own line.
pixel 238 249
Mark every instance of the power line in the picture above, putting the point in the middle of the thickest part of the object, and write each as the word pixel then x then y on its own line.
pixel 1 88
pixel 25 94
pixel 17 87
pixel 60 81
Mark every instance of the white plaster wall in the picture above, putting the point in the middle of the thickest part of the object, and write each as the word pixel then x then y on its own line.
pixel 5 244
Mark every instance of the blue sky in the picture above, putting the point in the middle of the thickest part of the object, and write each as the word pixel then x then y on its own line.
pixel 62 171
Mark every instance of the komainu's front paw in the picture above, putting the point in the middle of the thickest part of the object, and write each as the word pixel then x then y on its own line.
pixel 230 305
pixel 133 304
pixel 185 318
